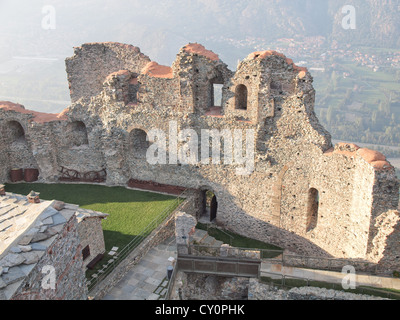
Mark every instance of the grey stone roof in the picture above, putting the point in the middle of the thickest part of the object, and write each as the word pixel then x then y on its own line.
pixel 26 231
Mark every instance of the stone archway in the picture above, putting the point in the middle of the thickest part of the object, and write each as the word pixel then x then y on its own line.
pixel 77 135
pixel 138 143
pixel 209 204
pixel 241 94
pixel 17 145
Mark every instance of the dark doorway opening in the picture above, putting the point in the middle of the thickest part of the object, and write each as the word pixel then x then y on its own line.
pixel 210 205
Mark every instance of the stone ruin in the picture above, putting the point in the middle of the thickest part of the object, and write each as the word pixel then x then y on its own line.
pixel 302 194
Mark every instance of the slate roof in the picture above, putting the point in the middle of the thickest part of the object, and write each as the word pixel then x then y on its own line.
pixel 26 231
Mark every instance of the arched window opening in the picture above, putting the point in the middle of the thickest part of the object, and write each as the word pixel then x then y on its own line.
pixel 139 143
pixel 241 97
pixel 312 211
pixel 14 132
pixel 77 134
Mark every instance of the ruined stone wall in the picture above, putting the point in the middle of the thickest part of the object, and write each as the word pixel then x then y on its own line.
pixel 111 56
pixel 65 256
pixel 30 148
pixel 78 144
pixel 302 193
pixel 91 234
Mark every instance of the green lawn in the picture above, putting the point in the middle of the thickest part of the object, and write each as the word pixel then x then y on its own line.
pixel 129 210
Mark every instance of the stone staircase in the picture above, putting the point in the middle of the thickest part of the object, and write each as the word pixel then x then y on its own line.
pixel 201 237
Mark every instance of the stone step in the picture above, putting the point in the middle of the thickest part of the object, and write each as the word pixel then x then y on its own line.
pixel 209 241
pixel 203 238
pixel 218 243
pixel 199 235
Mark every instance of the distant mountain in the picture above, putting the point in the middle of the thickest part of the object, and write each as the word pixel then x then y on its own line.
pixel 377 22
pixel 160 28
pixel 156 25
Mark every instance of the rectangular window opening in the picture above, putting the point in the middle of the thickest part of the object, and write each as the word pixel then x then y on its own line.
pixel 217 94
pixel 85 252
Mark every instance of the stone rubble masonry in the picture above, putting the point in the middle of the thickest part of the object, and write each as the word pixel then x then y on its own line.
pixel 91 234
pixel 116 91
pixel 65 256
pixel 261 291
pixel 39 238
pixel 185 225
pixel 211 287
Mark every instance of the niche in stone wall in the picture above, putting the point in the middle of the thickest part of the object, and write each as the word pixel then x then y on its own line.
pixel 241 94
pixel 138 143
pixel 16 145
pixel 312 209
pixel 133 89
pixel 77 134
pixel 14 132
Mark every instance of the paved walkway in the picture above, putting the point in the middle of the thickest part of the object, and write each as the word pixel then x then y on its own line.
pixel 148 279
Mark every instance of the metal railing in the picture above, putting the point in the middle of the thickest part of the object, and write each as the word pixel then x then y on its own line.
pixel 320 263
pixel 171 283
pixel 220 266
pixel 121 255
pixel 219 252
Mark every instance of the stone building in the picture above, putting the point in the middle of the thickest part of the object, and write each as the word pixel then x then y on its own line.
pixel 42 245
pixel 299 191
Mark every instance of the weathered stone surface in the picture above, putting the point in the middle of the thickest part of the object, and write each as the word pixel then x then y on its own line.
pixel 41 246
pixel 2 284
pixel 32 256
pixel 210 287
pixel 39 237
pixel 25 248
pixel 260 291
pixel 297 188
pixel 12 259
pixel 13 275
pixel 58 205
pixel 25 240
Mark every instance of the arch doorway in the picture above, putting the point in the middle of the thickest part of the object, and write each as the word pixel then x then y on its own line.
pixel 210 205
pixel 138 143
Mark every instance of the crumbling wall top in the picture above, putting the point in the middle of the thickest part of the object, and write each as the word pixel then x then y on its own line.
pixel 92 63
pixel 374 158
pixel 199 49
pixel 268 53
pixel 153 69
pixel 39 117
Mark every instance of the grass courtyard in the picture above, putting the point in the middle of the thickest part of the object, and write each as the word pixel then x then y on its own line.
pixel 130 211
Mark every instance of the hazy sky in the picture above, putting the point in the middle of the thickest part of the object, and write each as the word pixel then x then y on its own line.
pixel 49 29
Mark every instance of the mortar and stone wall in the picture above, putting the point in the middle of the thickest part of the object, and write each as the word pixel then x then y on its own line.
pixel 303 195
pixel 65 256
